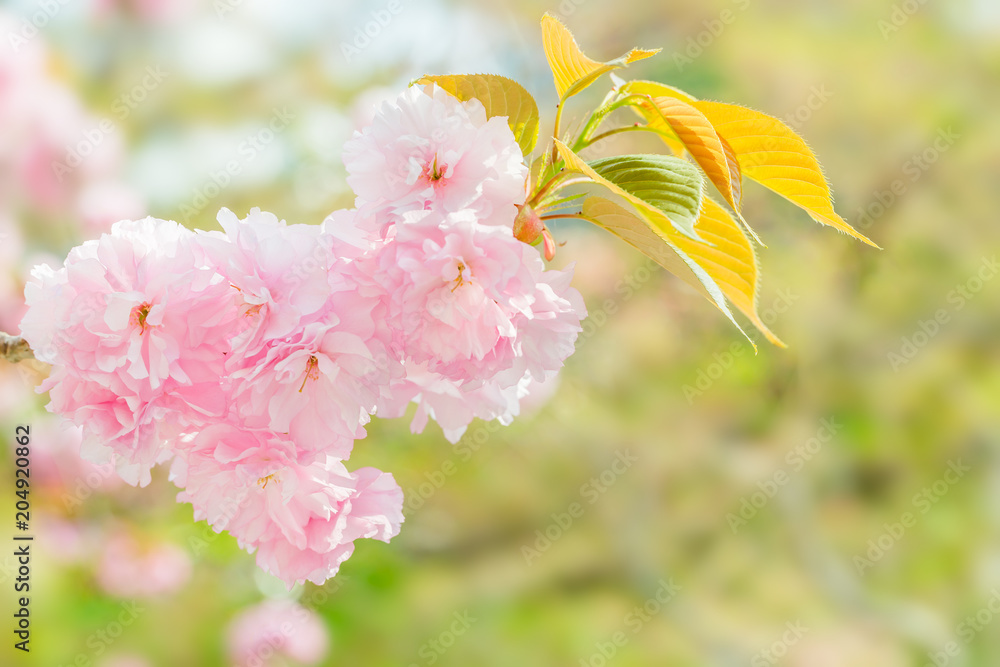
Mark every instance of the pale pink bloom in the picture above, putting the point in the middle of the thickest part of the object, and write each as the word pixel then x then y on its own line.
pixel 314 356
pixel 121 428
pixel 133 567
pixel 278 270
pixel 430 150
pixel 136 326
pixel 454 404
pixel 362 227
pixel 447 279
pixel 266 633
pixel 548 326
pixel 350 234
pixel 301 519
pixel 476 316
pixel 451 403
pixel 477 319
pixel 319 385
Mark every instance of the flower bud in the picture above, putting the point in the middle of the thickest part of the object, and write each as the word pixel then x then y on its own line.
pixel 527 225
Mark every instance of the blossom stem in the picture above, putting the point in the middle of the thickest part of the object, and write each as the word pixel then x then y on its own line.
pixel 598 117
pixel 539 196
pixel 630 128
pixel 555 129
pixel 14 348
pixel 565 179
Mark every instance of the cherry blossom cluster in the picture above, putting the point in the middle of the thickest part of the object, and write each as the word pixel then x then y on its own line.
pixel 251 359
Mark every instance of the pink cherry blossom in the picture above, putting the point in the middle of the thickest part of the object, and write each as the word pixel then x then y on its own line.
pixel 446 277
pixel 254 357
pixel 275 629
pixel 430 150
pixel 301 519
pixel 319 385
pixel 136 325
pixel 280 272
pixel 476 317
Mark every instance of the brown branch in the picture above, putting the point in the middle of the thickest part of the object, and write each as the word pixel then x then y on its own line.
pixel 14 348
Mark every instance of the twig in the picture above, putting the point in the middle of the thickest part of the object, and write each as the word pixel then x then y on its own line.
pixel 14 348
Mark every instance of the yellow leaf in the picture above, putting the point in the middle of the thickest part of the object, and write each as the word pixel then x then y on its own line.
pixel 772 154
pixel 729 259
pixel 501 97
pixel 719 265
pixel 659 246
pixel 573 71
pixel 672 109
pixel 768 151
pixel 700 139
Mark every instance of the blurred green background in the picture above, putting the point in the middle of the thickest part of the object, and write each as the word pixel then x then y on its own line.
pixel 797 507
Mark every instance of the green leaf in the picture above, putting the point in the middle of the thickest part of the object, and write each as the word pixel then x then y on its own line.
pixel 501 97
pixel 683 199
pixel 671 185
